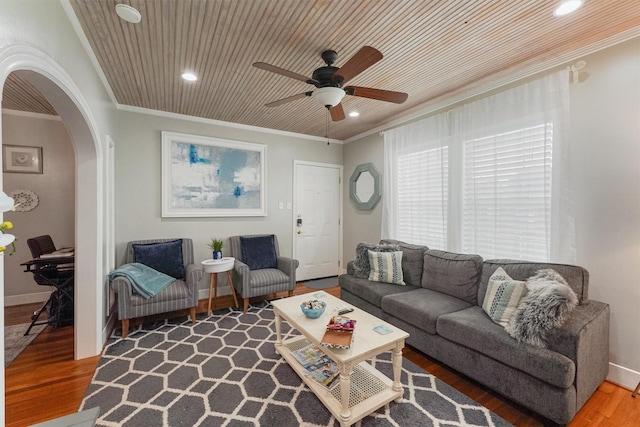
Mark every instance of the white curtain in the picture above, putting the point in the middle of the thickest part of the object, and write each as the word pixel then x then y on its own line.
pixel 489 177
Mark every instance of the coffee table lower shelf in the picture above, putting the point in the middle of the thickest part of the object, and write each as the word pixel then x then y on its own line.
pixel 369 389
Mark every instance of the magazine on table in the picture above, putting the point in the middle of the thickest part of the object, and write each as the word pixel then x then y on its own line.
pixel 317 365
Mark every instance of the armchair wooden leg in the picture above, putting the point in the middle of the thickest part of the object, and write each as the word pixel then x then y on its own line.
pixel 125 328
pixel 246 304
pixel 192 313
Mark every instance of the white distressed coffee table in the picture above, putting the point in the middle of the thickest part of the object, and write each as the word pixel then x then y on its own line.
pixel 361 389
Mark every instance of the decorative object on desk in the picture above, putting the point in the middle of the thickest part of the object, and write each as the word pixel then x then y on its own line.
pixel 313 308
pixel 216 246
pixel 231 385
pixel 7 239
pixel 25 200
pixel 22 159
pixel 209 177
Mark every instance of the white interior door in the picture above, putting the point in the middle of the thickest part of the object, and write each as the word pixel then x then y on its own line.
pixel 317 218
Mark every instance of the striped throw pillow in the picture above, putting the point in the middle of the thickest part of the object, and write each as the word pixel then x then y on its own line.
pixel 386 267
pixel 502 297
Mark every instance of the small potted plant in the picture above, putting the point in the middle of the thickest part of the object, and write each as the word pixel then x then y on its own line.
pixel 216 246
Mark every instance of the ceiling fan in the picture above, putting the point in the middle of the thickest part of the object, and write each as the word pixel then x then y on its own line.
pixel 329 81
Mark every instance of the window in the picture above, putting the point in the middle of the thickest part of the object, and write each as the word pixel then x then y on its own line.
pixel 422 197
pixel 507 194
pixel 490 177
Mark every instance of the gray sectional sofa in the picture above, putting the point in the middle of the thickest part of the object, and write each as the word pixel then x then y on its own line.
pixel 441 308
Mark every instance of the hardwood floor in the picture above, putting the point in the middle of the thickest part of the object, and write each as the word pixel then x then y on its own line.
pixel 44 381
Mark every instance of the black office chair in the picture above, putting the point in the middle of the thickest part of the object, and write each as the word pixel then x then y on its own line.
pixel 52 269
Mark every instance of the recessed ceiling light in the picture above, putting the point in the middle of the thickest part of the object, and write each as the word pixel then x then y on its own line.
pixel 190 77
pixel 566 7
pixel 128 13
pixel 354 114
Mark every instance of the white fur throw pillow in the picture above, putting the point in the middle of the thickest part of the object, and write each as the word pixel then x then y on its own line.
pixel 548 300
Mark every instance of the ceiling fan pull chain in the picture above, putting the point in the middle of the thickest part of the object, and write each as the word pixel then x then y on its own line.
pixel 327 121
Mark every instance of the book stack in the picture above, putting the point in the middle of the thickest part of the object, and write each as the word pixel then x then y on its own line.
pixel 317 365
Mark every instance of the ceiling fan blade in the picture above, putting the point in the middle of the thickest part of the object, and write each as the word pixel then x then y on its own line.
pixel 363 59
pixel 337 113
pixel 288 99
pixel 379 94
pixel 283 72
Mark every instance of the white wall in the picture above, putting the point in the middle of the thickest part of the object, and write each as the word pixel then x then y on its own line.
pixel 38 37
pixel 138 193
pixel 55 188
pixel 605 138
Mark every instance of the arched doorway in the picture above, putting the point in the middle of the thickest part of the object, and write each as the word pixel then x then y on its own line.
pixel 62 93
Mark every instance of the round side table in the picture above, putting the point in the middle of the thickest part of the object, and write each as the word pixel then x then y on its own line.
pixel 213 267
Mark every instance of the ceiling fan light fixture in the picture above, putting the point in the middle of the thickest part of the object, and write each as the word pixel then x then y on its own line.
pixel 328 96
pixel 566 7
pixel 128 13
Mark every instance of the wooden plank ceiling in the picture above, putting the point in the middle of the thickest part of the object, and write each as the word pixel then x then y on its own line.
pixel 432 50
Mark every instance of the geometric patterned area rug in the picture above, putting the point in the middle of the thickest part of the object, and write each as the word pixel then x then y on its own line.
pixel 224 371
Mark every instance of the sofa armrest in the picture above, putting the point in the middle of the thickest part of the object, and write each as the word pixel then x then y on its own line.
pixel 241 274
pixel 193 274
pixel 122 287
pixel 584 338
pixel 288 265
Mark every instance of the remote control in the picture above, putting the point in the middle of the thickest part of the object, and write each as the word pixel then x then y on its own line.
pixel 345 311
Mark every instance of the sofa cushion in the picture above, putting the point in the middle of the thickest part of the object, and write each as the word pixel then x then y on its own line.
pixel 421 307
pixel 361 265
pixel 454 274
pixel 503 296
pixel 412 260
pixel 259 252
pixel 473 329
pixel 577 277
pixel 548 301
pixel 386 267
pixel 371 292
pixel 165 257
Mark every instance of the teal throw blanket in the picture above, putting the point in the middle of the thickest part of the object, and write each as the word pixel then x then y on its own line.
pixel 145 280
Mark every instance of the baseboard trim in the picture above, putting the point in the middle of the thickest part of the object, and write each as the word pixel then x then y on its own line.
pixel 12 300
pixel 222 291
pixel 623 377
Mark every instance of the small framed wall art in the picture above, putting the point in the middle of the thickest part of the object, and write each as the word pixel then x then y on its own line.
pixel 22 159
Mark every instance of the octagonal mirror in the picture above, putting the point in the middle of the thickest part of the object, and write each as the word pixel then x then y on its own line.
pixel 364 186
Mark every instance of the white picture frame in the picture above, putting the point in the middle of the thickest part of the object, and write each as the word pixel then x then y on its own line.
pixel 22 159
pixel 212 177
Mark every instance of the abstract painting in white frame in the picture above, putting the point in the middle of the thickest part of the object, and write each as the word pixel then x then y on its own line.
pixel 212 177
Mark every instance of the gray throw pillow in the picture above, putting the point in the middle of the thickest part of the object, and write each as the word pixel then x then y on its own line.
pixel 361 264
pixel 545 306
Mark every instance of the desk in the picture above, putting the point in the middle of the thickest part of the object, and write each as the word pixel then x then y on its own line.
pixel 59 273
pixel 213 267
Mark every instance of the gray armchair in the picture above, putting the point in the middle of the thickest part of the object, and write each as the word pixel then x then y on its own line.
pixel 259 269
pixel 173 257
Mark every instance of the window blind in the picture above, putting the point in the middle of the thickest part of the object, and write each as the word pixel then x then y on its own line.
pixel 507 194
pixel 423 197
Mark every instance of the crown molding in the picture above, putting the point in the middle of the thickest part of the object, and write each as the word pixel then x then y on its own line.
pixel 221 123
